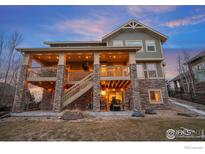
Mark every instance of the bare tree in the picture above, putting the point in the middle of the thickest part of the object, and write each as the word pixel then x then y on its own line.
pixel 13 42
pixel 16 62
pixel 1 47
pixel 188 70
pixel 180 70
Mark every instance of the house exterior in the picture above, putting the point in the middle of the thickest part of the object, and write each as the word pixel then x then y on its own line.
pixel 191 84
pixel 123 71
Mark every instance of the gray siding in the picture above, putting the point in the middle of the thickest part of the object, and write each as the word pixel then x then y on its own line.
pixel 138 36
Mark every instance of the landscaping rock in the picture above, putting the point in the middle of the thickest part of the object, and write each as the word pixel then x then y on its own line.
pixel 137 114
pixel 150 111
pixel 74 115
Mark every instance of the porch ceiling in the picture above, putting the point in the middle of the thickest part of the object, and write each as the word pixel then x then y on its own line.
pixel 117 84
pixel 80 57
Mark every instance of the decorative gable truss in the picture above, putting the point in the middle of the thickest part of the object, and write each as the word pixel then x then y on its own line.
pixel 132 25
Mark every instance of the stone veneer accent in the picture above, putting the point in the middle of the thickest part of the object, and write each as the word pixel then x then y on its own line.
pixel 83 102
pixel 135 96
pixel 18 105
pixel 145 84
pixel 58 88
pixel 47 100
pixel 96 88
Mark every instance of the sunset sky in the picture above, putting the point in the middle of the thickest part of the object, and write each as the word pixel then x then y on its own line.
pixel 184 25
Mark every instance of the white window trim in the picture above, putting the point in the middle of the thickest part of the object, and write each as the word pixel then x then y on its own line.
pixel 150 96
pixel 142 70
pixel 117 41
pixel 155 50
pixel 142 49
pixel 148 71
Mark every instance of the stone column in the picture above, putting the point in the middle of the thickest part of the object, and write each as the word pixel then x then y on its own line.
pixel 135 96
pixel 96 80
pixel 18 104
pixel 59 84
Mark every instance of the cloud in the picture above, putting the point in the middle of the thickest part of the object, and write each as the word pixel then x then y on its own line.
pixel 171 55
pixel 91 27
pixel 143 10
pixel 193 20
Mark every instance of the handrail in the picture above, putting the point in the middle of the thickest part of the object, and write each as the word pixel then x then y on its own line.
pixel 42 71
pixel 79 82
pixel 116 71
pixel 78 86
pixel 75 75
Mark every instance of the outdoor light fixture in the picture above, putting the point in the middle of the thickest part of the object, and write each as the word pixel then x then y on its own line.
pixel 103 92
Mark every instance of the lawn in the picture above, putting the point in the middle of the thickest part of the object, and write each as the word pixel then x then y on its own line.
pixel 124 129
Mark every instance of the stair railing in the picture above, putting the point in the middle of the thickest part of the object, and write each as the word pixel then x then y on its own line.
pixel 78 86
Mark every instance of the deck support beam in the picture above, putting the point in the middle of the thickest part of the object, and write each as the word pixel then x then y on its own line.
pixel 135 96
pixel 96 81
pixel 18 104
pixel 59 83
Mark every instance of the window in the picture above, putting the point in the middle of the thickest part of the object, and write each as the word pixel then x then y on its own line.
pixel 199 72
pixel 155 96
pixel 140 71
pixel 134 43
pixel 118 43
pixel 152 70
pixel 150 46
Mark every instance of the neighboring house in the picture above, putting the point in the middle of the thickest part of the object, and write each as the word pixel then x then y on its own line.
pixel 123 71
pixel 196 82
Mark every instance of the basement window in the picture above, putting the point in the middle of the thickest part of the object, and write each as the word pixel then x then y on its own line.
pixel 155 96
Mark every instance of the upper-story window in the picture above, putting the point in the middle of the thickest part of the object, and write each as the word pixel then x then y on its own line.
pixel 134 43
pixel 118 43
pixel 140 71
pixel 152 70
pixel 150 46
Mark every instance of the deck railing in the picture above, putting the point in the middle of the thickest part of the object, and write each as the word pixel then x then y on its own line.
pixel 114 71
pixel 42 72
pixel 75 75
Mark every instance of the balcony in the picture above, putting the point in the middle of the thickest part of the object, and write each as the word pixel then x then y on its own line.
pixel 42 74
pixel 114 72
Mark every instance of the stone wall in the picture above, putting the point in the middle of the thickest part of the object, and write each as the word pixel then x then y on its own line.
pixel 47 100
pixel 135 98
pixel 96 88
pixel 145 84
pixel 58 89
pixel 19 104
pixel 82 103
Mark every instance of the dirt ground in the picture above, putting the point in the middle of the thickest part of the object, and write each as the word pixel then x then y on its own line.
pixel 149 128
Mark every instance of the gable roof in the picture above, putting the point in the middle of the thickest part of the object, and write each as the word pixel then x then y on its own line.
pixel 134 24
pixel 201 54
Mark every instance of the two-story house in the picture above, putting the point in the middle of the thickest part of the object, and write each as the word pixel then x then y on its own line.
pixel 123 71
pixel 191 84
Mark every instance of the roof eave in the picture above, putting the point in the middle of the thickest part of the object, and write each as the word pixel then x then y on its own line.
pixel 61 49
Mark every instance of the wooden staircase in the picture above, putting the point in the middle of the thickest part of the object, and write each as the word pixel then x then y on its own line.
pixel 77 90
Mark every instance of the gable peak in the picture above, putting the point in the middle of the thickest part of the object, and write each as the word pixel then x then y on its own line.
pixel 133 24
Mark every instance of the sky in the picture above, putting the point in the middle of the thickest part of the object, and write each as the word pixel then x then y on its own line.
pixel 184 25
